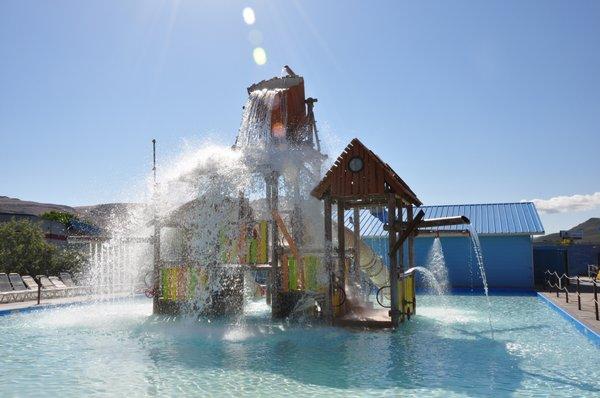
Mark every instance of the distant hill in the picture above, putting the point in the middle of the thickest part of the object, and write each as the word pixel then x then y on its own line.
pixel 18 206
pixel 101 215
pixel 590 228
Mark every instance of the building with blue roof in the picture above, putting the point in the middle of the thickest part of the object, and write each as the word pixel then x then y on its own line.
pixel 505 231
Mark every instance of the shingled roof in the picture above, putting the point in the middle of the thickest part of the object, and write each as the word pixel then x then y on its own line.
pixel 373 181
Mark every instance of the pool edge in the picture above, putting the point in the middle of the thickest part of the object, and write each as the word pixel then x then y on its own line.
pixel 47 306
pixel 580 326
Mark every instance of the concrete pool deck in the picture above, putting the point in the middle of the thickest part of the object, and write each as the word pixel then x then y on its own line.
pixel 587 315
pixel 32 305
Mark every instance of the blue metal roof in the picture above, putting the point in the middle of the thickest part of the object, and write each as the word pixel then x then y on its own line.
pixel 519 218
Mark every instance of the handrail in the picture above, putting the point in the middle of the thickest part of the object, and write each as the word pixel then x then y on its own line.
pixel 559 286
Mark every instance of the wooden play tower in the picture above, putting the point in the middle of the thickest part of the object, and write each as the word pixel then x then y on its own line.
pixel 360 179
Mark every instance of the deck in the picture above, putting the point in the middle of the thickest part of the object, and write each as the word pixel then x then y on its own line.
pixel 587 315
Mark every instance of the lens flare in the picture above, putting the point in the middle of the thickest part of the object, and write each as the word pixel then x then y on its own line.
pixel 259 55
pixel 255 37
pixel 248 15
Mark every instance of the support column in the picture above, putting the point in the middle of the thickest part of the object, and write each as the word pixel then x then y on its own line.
pixel 393 259
pixel 273 203
pixel 401 265
pixel 411 247
pixel 328 255
pixel 356 270
pixel 341 271
pixel 411 238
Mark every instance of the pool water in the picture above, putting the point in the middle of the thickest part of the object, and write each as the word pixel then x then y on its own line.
pixel 120 349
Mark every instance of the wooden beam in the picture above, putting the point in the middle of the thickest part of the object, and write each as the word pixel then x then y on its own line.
pixel 341 271
pixel 356 221
pixel 410 229
pixel 393 260
pixel 411 238
pixel 328 255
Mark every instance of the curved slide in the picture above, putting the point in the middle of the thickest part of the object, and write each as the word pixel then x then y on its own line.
pixel 370 262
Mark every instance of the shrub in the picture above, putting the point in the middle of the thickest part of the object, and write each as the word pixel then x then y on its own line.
pixel 24 250
pixel 60 216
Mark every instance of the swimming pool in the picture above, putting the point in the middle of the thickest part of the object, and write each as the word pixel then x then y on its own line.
pixel 120 349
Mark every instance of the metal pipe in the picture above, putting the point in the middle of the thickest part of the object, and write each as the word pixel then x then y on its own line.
pixel 596 300
pixel 578 296
pixel 444 221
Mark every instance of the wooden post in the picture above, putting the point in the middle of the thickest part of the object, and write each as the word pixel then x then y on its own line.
pixel 411 249
pixel 393 259
pixel 328 255
pixel 356 270
pixel 401 288
pixel 411 238
pixel 341 271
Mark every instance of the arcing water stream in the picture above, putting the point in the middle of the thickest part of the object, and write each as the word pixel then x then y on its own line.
pixel 479 257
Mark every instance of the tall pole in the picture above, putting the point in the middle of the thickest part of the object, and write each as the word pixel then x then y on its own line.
pixel 156 237
pixel 393 259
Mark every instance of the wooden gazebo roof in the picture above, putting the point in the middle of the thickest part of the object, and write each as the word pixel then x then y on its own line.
pixel 368 186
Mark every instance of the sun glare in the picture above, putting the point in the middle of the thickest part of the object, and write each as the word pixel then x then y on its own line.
pixel 248 14
pixel 260 56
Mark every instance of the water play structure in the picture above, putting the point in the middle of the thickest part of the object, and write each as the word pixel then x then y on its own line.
pixel 270 235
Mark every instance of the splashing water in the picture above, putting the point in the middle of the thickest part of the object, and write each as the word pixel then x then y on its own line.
pixel 205 195
pixel 256 121
pixel 479 259
pixel 436 263
pixel 431 280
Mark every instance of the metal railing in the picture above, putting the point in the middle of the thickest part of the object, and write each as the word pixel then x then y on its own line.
pixel 555 282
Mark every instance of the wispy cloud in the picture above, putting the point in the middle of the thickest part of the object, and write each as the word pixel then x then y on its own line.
pixel 563 204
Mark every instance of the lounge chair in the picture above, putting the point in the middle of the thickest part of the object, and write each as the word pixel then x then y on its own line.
pixel 30 282
pixel 8 293
pixel 60 285
pixel 66 278
pixel 57 282
pixel 19 286
pixel 48 287
pixel 6 290
pixel 16 281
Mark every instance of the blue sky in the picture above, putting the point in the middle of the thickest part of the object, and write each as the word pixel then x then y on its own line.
pixel 468 101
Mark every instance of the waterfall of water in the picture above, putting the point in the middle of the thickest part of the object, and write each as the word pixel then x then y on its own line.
pixel 436 263
pixel 255 129
pixel 479 259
